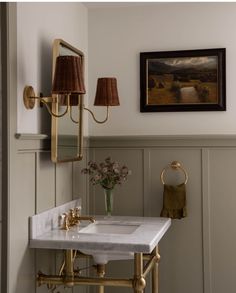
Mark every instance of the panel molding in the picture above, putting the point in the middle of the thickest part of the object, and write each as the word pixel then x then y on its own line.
pixel 143 148
pixel 146 180
pixel 206 229
pixel 179 144
pixel 53 184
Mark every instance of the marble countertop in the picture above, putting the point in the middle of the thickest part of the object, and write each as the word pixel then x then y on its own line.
pixel 144 239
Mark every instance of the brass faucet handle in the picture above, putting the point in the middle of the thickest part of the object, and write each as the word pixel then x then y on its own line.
pixel 72 220
pixel 71 213
pixel 77 211
pixel 77 215
pixel 65 224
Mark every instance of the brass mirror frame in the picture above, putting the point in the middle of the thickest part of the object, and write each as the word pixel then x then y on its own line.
pixel 57 44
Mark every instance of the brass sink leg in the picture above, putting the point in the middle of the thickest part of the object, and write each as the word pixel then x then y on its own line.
pixel 69 268
pixel 69 277
pixel 100 274
pixel 139 282
pixel 155 273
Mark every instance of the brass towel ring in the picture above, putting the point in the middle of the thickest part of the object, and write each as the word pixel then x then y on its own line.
pixel 175 165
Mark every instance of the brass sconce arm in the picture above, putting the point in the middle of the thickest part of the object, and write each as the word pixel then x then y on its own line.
pixel 29 98
pixel 94 118
pixel 53 114
pixel 71 118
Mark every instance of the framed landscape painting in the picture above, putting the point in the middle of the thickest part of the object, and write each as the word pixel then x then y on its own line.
pixel 189 80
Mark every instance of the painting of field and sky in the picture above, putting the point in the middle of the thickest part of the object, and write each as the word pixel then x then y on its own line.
pixel 183 80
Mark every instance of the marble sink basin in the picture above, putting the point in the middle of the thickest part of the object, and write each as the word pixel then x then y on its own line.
pixel 109 228
pixel 104 256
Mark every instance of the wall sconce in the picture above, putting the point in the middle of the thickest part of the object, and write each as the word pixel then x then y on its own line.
pixel 68 90
pixel 68 83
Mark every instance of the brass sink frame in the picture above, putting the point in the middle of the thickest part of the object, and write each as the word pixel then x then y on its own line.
pixel 69 277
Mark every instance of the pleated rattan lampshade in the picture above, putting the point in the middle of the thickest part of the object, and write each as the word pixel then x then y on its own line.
pixel 68 77
pixel 106 94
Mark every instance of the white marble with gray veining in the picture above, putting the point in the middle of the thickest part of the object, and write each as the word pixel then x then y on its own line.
pixel 49 220
pixel 45 233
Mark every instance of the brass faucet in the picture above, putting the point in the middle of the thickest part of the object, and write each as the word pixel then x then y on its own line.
pixel 73 218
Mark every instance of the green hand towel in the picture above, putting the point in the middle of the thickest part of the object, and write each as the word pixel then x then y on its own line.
pixel 174 201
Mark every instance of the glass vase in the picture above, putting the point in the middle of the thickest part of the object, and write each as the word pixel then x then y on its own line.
pixel 108 201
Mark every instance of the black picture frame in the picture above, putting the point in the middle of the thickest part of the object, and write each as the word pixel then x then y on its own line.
pixel 187 80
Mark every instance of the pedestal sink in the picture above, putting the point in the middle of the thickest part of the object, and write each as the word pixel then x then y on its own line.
pixel 108 228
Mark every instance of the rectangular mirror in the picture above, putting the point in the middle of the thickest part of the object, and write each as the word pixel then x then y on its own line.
pixel 66 131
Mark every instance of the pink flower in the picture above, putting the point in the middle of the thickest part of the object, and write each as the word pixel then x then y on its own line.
pixel 108 173
pixel 104 170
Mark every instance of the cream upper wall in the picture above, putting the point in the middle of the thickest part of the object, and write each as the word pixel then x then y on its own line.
pixel 38 24
pixel 116 37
